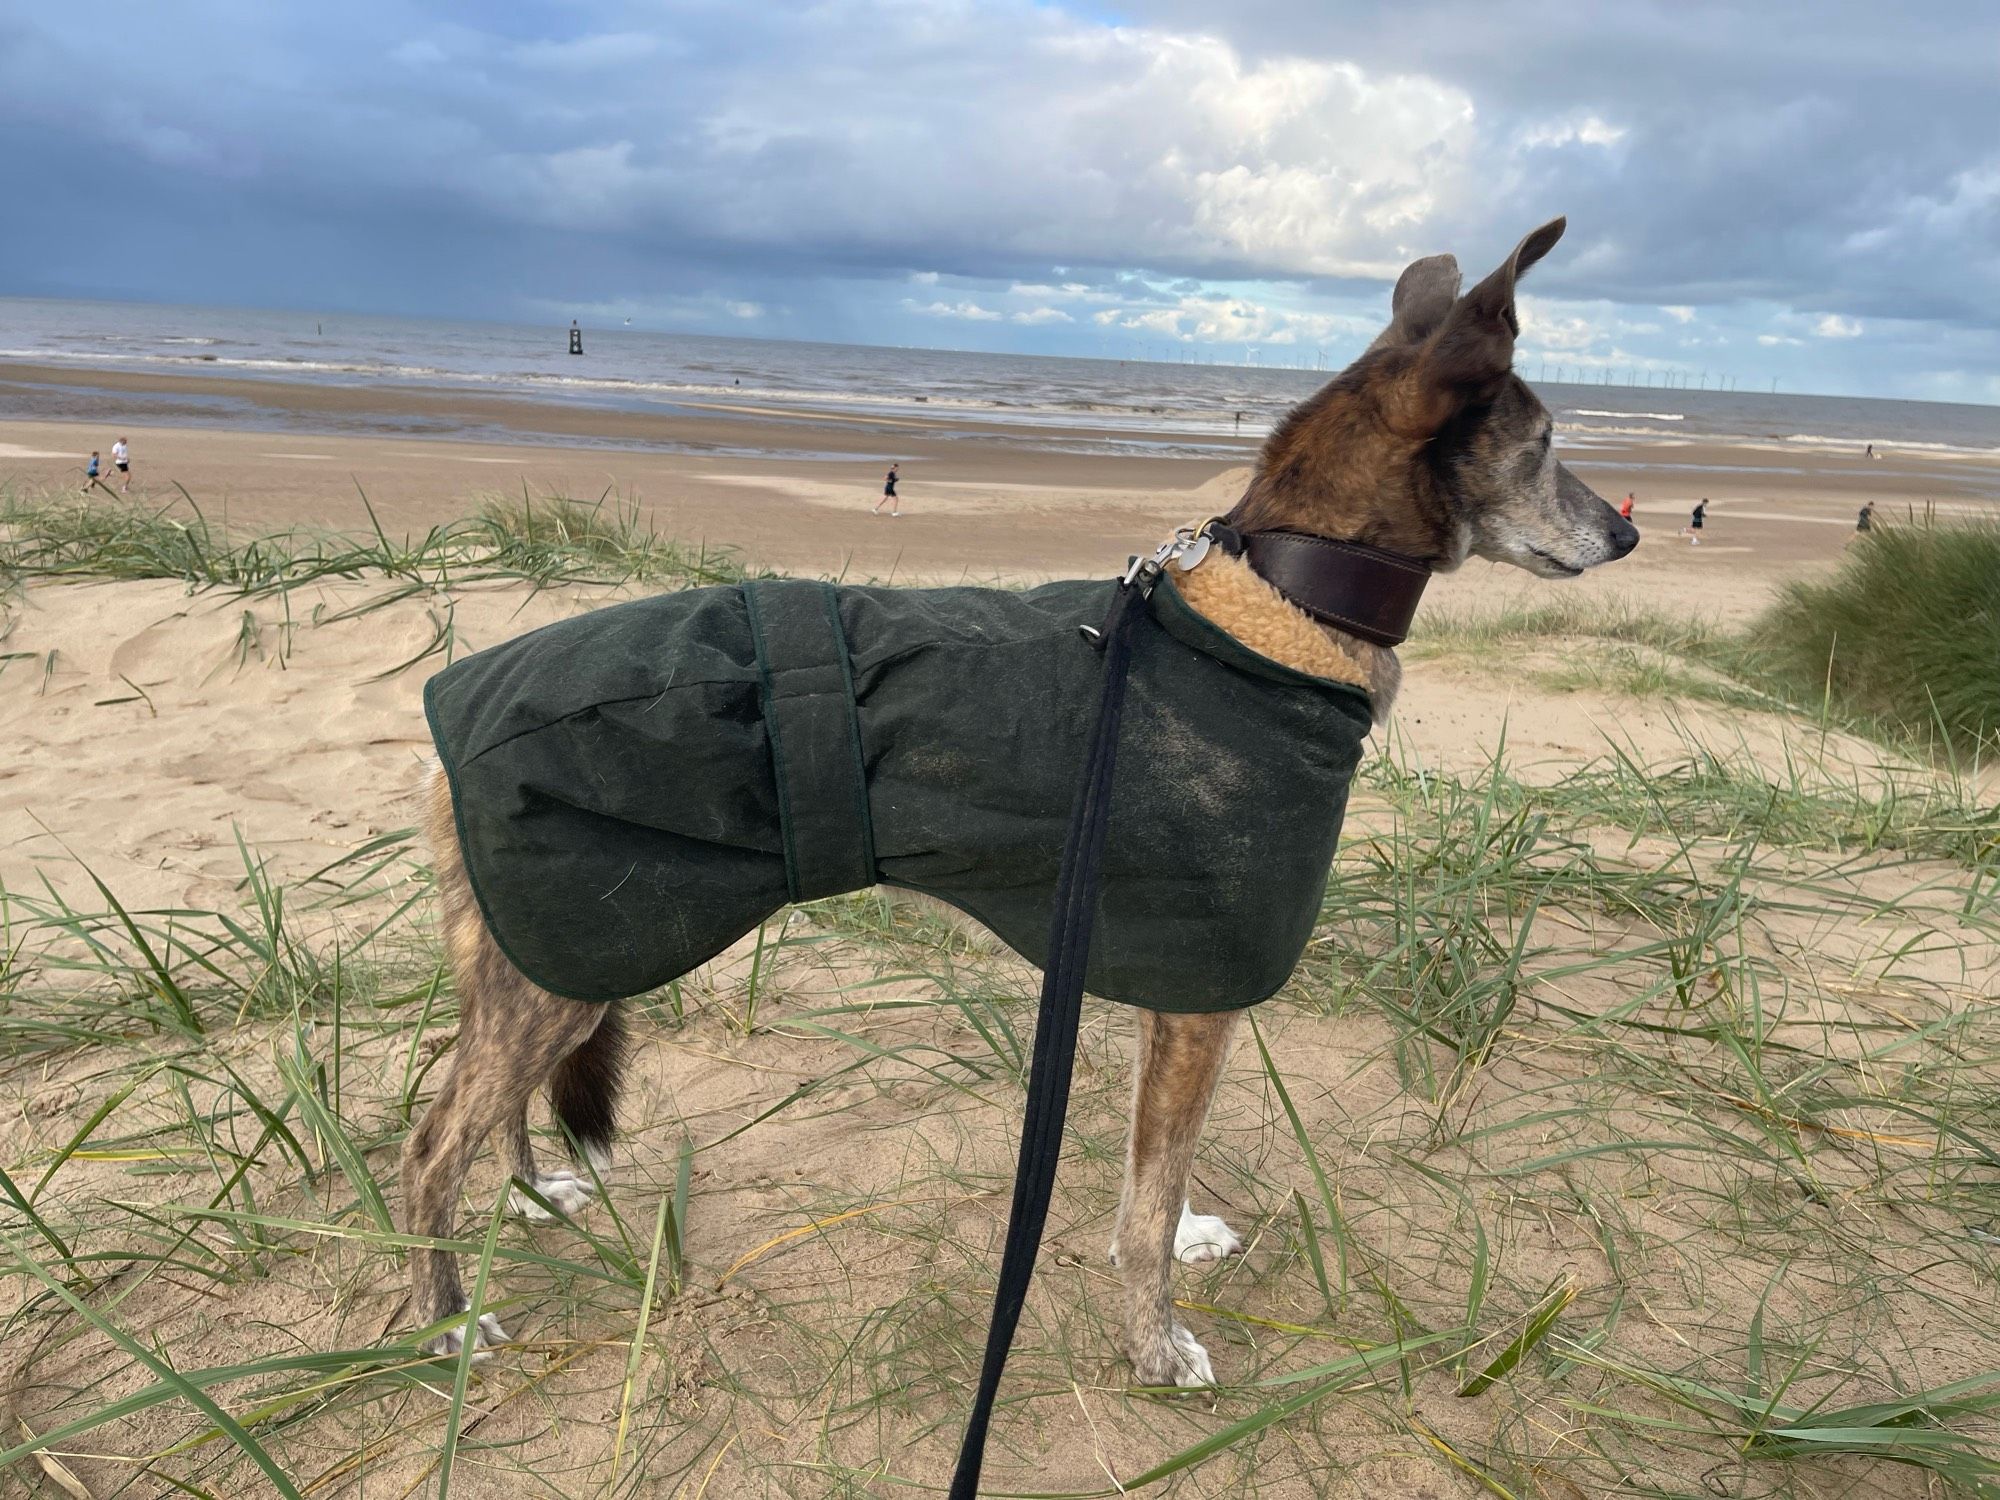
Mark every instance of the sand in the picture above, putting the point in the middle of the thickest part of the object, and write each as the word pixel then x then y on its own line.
pixel 794 489
pixel 151 721
pixel 150 728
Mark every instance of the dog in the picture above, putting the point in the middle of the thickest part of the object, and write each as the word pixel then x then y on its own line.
pixel 1428 447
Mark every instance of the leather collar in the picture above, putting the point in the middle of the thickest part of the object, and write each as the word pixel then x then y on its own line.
pixel 1359 589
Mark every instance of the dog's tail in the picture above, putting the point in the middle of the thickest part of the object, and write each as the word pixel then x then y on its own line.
pixel 585 1088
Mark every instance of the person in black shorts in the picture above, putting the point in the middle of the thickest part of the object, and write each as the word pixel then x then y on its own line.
pixel 889 494
pixel 121 455
pixel 1699 515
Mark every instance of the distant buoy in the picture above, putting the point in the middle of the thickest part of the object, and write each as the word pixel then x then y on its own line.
pixel 575 338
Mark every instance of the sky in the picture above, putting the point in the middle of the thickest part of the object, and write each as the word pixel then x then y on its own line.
pixel 1799 191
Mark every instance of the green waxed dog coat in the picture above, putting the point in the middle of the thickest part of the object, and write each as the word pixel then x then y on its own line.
pixel 640 786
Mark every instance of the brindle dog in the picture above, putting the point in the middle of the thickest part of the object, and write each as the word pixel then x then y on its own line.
pixel 1429 446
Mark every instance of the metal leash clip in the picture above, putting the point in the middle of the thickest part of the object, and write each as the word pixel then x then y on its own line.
pixel 1187 546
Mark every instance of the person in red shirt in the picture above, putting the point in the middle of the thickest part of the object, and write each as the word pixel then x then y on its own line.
pixel 1625 510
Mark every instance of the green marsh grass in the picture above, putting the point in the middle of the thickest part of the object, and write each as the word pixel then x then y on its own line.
pixel 1904 635
pixel 1630 1131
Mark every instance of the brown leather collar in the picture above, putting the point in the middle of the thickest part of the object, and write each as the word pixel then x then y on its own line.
pixel 1359 589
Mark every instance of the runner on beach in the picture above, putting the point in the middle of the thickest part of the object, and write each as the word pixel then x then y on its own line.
pixel 889 494
pixel 121 455
pixel 90 472
pixel 1694 522
pixel 1625 510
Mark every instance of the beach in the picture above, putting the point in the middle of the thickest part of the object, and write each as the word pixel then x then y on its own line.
pixel 792 486
pixel 980 505
pixel 1577 855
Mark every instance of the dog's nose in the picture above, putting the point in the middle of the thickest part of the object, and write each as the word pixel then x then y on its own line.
pixel 1624 536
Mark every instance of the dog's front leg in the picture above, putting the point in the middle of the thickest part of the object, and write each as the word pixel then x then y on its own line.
pixel 1180 1062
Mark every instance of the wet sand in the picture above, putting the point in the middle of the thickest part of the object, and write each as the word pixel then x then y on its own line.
pixel 793 488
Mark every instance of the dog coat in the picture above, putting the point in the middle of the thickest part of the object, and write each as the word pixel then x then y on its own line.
pixel 640 786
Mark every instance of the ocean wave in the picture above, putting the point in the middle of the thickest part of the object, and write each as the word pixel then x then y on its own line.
pixel 1594 430
pixel 1653 416
pixel 1885 446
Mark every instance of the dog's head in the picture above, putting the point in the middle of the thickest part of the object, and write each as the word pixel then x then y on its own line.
pixel 1430 444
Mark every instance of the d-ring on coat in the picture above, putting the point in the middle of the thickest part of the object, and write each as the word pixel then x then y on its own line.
pixel 640 786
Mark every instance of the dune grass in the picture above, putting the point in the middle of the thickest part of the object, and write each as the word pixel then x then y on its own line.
pixel 1564 1161
pixel 1633 1132
pixel 542 540
pixel 1905 635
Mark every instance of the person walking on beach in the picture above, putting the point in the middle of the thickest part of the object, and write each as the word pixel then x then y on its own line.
pixel 1694 522
pixel 1625 510
pixel 89 473
pixel 889 494
pixel 121 455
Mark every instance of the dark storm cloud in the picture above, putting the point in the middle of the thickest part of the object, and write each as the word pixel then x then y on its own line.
pixel 1029 175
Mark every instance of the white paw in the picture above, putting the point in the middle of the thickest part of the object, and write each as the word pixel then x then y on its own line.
pixel 569 1193
pixel 1178 1359
pixel 452 1340
pixel 599 1158
pixel 1202 1238
pixel 1194 1368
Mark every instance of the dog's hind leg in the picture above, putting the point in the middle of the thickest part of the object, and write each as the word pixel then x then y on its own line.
pixel 1180 1063
pixel 583 1091
pixel 565 1190
pixel 511 1036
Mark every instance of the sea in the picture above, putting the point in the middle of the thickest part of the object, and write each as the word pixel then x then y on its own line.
pixel 1173 406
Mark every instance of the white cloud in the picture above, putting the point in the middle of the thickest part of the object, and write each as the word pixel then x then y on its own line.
pixel 1036 315
pixel 1834 326
pixel 1215 318
pixel 1039 134
pixel 1777 340
pixel 1585 130
pixel 971 312
pixel 744 309
pixel 1679 314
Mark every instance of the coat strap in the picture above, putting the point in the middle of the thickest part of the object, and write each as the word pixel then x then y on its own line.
pixel 806 686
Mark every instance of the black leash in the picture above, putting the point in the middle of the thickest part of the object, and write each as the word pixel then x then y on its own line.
pixel 1070 924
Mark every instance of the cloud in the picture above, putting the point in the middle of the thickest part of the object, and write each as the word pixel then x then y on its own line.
pixel 971 312
pixel 1750 182
pixel 1206 318
pixel 1587 130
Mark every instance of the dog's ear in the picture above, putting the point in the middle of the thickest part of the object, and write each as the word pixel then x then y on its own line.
pixel 1424 294
pixel 1474 346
